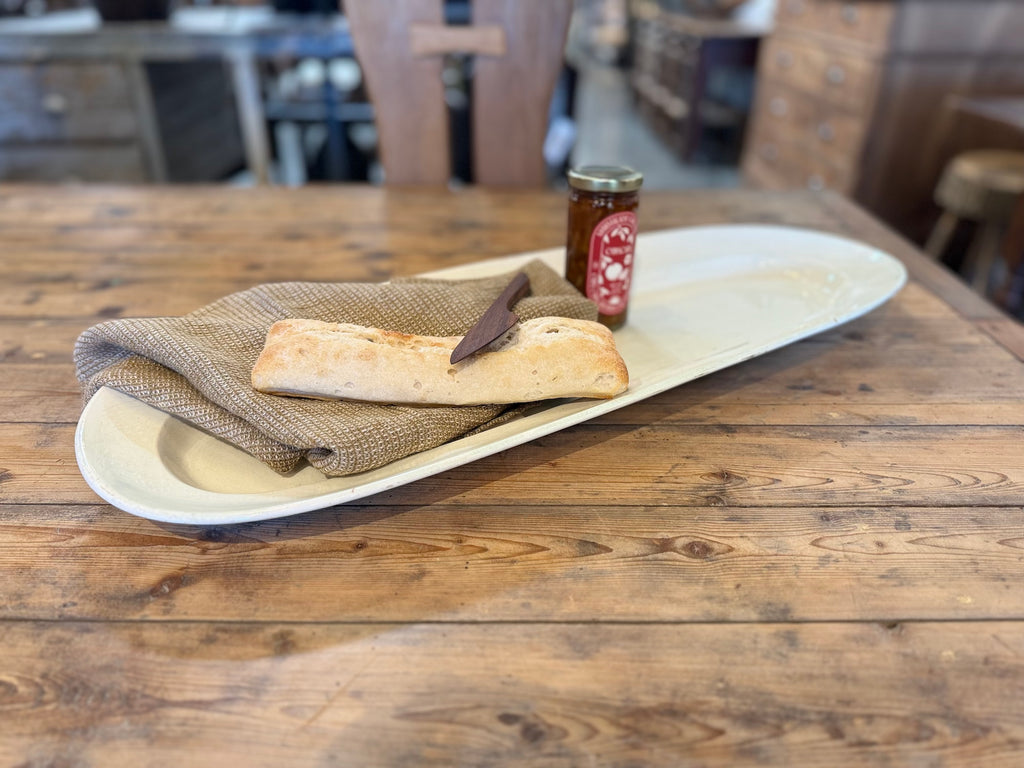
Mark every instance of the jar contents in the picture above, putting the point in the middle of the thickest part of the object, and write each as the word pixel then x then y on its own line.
pixel 602 235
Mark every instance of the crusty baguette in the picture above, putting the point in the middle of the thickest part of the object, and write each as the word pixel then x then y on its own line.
pixel 538 359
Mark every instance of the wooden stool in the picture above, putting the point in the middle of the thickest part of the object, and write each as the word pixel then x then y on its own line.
pixel 980 186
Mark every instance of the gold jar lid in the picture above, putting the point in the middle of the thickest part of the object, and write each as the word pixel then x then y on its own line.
pixel 605 178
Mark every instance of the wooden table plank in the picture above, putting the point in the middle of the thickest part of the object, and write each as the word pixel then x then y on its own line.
pixel 550 695
pixel 507 562
pixel 335 229
pixel 673 464
pixel 911 395
pixel 890 366
pixel 505 211
pixel 373 234
pixel 790 389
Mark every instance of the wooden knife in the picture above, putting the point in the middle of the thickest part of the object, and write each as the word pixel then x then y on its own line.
pixel 498 318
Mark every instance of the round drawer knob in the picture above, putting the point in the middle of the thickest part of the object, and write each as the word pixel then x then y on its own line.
pixel 825 131
pixel 815 183
pixel 55 104
pixel 778 106
pixel 835 74
pixel 675 107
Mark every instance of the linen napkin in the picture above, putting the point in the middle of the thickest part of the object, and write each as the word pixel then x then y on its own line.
pixel 197 367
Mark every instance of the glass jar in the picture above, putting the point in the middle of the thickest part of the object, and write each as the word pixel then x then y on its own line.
pixel 602 234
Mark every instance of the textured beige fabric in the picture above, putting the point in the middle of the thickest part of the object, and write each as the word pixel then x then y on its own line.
pixel 198 366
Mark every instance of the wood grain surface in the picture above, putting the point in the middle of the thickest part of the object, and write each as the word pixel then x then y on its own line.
pixel 814 558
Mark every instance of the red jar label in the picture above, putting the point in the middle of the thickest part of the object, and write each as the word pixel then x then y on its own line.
pixel 610 262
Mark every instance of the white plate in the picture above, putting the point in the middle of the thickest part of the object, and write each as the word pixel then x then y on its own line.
pixel 703 299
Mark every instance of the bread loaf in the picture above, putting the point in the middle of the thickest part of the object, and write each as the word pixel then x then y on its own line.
pixel 538 359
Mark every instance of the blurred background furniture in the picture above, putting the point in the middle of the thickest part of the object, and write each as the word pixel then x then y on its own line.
pixel 851 92
pixel 518 49
pixel 133 10
pixel 250 91
pixel 82 100
pixel 693 80
pixel 182 100
pixel 995 123
pixel 981 187
pixel 62 120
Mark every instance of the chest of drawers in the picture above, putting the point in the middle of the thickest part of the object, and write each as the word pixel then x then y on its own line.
pixel 63 121
pixel 692 80
pixel 852 95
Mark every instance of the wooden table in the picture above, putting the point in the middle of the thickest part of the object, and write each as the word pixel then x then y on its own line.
pixel 815 558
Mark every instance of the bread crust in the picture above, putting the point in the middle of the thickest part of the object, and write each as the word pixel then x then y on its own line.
pixel 548 357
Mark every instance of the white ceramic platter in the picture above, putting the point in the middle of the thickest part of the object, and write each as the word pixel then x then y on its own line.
pixel 702 299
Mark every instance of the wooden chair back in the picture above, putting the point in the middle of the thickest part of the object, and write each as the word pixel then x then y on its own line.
pixel 519 48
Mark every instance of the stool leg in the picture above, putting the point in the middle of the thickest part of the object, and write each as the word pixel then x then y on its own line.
pixel 1011 292
pixel 941 234
pixel 982 255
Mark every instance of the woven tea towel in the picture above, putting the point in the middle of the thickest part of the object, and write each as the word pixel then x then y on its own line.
pixel 197 367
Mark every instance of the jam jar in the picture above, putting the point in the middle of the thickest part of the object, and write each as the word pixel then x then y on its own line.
pixel 602 233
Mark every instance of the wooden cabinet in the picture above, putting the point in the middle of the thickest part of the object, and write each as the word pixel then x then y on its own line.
pixel 68 121
pixel 117 121
pixel 692 80
pixel 65 102
pixel 852 95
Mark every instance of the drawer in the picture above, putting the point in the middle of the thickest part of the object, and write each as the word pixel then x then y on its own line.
pixel 65 102
pixel 789 161
pixel 71 163
pixel 810 121
pixel 760 175
pixel 847 81
pixel 19 103
pixel 867 22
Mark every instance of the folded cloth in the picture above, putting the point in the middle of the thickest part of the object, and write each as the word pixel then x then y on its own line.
pixel 197 367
